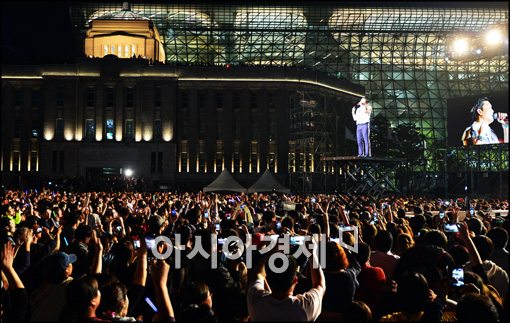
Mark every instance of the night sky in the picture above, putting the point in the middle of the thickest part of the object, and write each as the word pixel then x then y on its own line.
pixel 37 33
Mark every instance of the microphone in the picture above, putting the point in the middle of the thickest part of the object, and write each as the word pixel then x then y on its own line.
pixel 500 116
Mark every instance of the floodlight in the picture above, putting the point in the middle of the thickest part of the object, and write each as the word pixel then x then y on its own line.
pixel 461 46
pixel 493 37
pixel 128 172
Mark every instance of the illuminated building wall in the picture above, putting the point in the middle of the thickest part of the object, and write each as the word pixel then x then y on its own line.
pixel 162 121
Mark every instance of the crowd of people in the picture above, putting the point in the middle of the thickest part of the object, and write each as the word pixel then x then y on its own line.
pixel 75 256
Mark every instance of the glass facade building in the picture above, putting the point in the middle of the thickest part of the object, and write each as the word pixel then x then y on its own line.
pixel 397 51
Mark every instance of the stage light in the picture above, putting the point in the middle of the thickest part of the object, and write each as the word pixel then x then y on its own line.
pixel 461 46
pixel 493 37
pixel 128 172
pixel 478 51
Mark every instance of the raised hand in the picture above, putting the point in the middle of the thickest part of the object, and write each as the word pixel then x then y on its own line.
pixel 7 255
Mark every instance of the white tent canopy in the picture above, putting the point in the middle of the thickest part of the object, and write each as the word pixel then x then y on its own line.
pixel 267 183
pixel 224 182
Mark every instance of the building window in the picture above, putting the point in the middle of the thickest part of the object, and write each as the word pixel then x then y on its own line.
pixel 219 162
pixel 272 119
pixel 59 128
pixel 109 129
pixel 119 50
pixel 254 158
pixel 36 98
pixel 129 131
pixel 160 162
pixel 54 161
pixel 90 129
pixel 133 49
pixel 236 105
pixel 18 97
pixel 130 97
pixel 105 50
pixel 158 132
pixel 237 122
pixel 113 49
pixel 34 161
pixel 183 164
pixel 237 164
pixel 61 161
pixel 202 157
pixel 254 122
pixel 91 94
pixel 126 51
pixel 157 96
pixel 271 157
pixel 183 115
pixel 109 97
pixel 17 128
pixel 202 124
pixel 60 96
pixel 16 161
pixel 157 163
pixel 153 162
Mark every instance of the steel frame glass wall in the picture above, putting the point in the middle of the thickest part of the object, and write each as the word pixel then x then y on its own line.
pixel 397 52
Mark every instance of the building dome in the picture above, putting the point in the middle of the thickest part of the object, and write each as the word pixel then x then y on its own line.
pixel 124 14
pixel 124 34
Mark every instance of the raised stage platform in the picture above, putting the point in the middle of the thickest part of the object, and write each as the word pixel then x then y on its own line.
pixel 368 175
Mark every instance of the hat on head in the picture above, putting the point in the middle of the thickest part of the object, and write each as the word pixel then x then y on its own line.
pixel 61 260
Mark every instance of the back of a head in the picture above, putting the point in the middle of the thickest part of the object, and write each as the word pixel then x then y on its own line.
pixel 404 242
pixel 83 231
pixel 484 246
pixel 195 293
pixel 412 292
pixel 155 222
pixel 113 298
pixel 356 312
pixel 475 279
pixel 79 294
pixel 363 253
pixel 475 225
pixel 71 218
pixel 435 238
pixel 476 308
pixel 185 232
pixel 232 307
pixel 123 251
pixel 499 237
pixel 460 255
pixel 197 313
pixel 370 232
pixel 288 222
pixel 336 258
pixel 384 241
pixel 281 281
pixel 268 216
pixel 417 222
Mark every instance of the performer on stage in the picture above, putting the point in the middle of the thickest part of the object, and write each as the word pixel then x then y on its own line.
pixel 480 132
pixel 361 114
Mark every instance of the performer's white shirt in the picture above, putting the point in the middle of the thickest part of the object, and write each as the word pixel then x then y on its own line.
pixel 361 114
